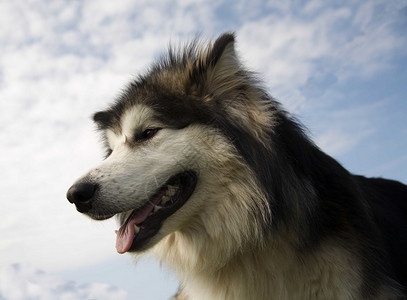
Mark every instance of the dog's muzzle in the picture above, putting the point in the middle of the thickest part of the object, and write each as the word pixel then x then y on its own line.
pixel 82 195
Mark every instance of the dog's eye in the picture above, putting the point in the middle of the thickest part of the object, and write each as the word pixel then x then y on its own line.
pixel 108 152
pixel 149 133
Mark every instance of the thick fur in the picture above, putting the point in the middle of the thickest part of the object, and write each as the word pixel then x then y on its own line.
pixel 272 216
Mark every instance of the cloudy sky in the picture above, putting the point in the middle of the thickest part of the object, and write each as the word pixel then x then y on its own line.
pixel 340 66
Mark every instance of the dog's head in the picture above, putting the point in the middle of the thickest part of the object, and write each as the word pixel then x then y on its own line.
pixel 178 146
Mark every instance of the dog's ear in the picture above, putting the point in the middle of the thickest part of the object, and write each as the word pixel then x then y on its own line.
pixel 223 52
pixel 214 70
pixel 231 90
pixel 103 119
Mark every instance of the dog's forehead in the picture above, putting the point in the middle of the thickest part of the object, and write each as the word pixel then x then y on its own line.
pixel 135 118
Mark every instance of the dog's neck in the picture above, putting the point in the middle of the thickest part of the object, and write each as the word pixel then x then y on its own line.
pixel 278 270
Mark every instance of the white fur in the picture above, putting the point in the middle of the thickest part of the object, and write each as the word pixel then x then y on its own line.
pixel 276 273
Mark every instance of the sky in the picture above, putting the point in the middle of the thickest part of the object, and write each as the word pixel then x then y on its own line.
pixel 339 66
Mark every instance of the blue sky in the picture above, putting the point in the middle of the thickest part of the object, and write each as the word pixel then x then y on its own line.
pixel 339 66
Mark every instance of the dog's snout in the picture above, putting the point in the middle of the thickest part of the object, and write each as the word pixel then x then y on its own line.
pixel 82 194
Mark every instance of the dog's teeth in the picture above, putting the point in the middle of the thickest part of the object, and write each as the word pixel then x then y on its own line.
pixel 171 191
pixel 156 208
pixel 165 199
pixel 136 229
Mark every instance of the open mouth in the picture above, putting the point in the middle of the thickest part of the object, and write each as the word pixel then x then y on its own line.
pixel 143 223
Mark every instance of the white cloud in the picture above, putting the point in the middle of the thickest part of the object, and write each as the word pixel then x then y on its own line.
pixel 349 41
pixel 22 282
pixel 336 142
pixel 285 49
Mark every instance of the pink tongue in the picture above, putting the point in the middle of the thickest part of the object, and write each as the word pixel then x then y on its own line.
pixel 125 234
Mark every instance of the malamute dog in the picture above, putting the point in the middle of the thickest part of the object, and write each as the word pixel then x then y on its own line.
pixel 207 171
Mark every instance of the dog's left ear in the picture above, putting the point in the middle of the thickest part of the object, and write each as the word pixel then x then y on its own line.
pixel 214 71
pixel 103 119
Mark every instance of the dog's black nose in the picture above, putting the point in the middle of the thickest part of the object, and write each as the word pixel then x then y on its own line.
pixel 81 194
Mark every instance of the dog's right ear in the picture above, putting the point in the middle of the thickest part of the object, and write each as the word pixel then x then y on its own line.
pixel 103 119
pixel 223 52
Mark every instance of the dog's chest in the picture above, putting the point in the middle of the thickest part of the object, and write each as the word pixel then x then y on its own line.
pixel 319 280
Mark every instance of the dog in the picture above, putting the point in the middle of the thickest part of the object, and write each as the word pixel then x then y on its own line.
pixel 210 174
